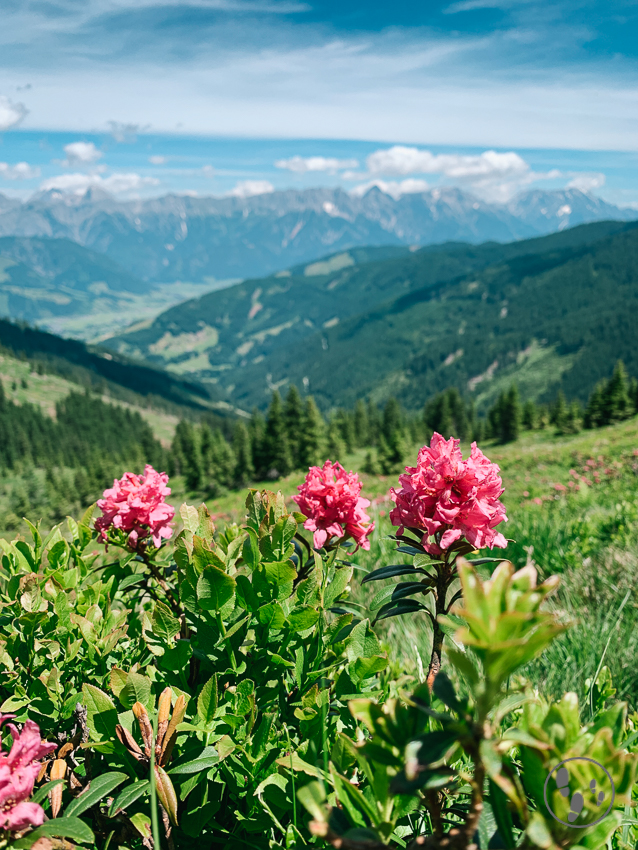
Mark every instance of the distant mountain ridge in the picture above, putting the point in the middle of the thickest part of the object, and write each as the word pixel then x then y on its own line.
pixel 204 239
pixel 553 311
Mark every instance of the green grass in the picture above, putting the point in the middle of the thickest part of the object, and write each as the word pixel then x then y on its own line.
pixel 589 537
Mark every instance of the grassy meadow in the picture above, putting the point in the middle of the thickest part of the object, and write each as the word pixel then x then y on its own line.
pixel 572 505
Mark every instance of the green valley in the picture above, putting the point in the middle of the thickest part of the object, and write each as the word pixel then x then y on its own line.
pixel 552 313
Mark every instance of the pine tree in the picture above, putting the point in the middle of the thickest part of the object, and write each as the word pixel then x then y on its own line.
pixel 633 394
pixel 370 465
pixel 336 447
pixel 311 443
pixel 374 423
pixel 244 470
pixel 594 413
pixel 257 433
pixel 293 414
pixel 186 451
pixel 559 413
pixel 616 404
pixel 511 416
pixel 276 448
pixel 456 404
pixel 222 460
pixel 345 423
pixel 529 416
pixel 361 429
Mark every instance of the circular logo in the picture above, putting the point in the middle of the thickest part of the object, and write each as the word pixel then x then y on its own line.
pixel 579 788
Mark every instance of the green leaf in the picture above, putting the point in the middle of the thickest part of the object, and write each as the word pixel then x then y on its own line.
pixel 271 615
pixel 214 589
pixel 502 814
pixel 280 572
pixel 365 667
pixel 362 642
pixel 392 609
pixel 337 586
pixel 101 713
pixel 65 827
pixel 277 547
pixel 117 680
pixel 302 618
pixel 99 788
pixel 444 690
pixel 207 701
pixel 142 824
pixel 44 790
pixel 246 596
pixel 391 571
pixel 164 624
pixel 196 766
pixel 136 689
pixel 128 796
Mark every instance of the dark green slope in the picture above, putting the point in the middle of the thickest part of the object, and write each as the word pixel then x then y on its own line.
pixel 92 366
pixel 412 324
pixel 543 320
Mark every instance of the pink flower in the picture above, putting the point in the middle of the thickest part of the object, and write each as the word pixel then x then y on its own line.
pixel 447 496
pixel 18 771
pixel 330 498
pixel 137 504
pixel 537 501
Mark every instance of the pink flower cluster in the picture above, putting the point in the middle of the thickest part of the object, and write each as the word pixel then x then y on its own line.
pixel 447 496
pixel 330 498
pixel 137 504
pixel 19 769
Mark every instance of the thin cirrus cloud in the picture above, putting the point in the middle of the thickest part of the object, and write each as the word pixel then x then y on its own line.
pixel 156 159
pixel 305 164
pixel 19 171
pixel 117 183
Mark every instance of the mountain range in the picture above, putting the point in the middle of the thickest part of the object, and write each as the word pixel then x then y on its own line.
pixel 207 240
pixel 551 312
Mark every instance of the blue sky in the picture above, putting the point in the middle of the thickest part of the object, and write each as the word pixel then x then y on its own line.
pixel 223 90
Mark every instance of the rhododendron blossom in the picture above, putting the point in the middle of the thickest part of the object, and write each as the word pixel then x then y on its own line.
pixel 330 498
pixel 19 769
pixel 449 497
pixel 137 504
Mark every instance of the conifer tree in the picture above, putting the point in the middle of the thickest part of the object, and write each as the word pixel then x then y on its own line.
pixel 529 416
pixel 559 413
pixel 345 423
pixel 616 403
pixel 293 414
pixel 186 450
pixel 244 470
pixel 222 460
pixel 374 423
pixel 257 433
pixel 335 447
pixel 511 416
pixel 361 429
pixel 276 448
pixel 311 443
pixel 594 413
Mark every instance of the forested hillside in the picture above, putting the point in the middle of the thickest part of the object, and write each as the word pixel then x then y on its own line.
pixel 96 368
pixel 553 312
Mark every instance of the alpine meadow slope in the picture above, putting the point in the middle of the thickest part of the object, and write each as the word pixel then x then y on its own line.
pixel 552 312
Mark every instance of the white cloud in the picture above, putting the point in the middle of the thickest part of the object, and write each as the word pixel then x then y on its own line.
pixel 157 160
pixel 11 114
pixel 494 176
pixel 303 164
pixel 19 171
pixel 208 171
pixel 587 182
pixel 248 188
pixel 399 160
pixel 81 153
pixel 395 189
pixel 118 183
